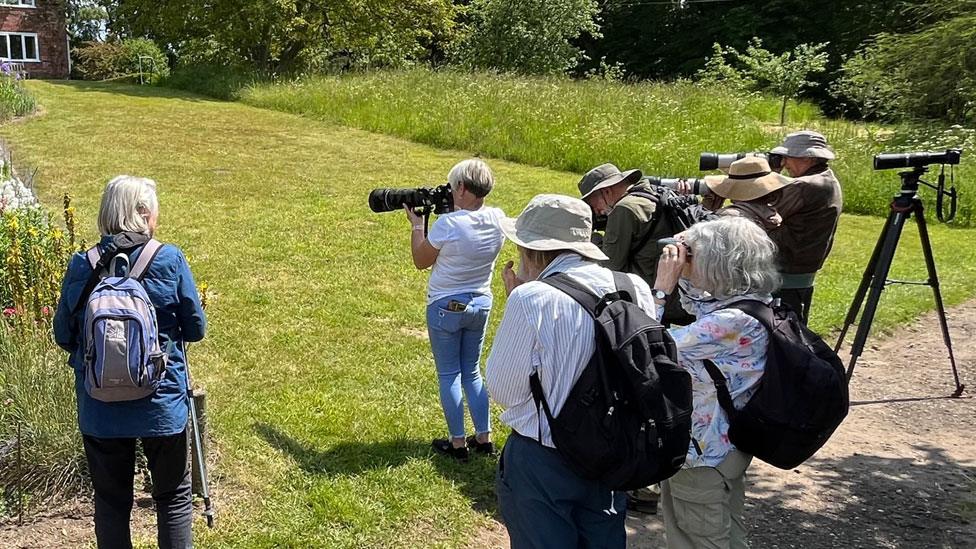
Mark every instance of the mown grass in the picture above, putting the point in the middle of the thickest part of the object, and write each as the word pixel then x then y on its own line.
pixel 575 125
pixel 322 393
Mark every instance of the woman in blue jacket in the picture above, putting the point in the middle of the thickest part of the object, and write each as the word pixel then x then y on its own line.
pixel 127 220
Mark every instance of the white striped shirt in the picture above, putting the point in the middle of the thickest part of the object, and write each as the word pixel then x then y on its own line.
pixel 545 330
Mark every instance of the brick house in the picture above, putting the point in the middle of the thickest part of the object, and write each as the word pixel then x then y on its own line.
pixel 34 33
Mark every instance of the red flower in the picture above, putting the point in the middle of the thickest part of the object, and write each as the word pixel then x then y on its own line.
pixel 9 312
pixel 743 341
pixel 45 311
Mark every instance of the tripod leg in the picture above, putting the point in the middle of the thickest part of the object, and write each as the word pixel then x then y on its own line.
pixel 880 278
pixel 865 283
pixel 933 281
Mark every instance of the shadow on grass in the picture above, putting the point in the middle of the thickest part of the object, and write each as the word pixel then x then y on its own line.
pixel 134 90
pixel 867 501
pixel 475 479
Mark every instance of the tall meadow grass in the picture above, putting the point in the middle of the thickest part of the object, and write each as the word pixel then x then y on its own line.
pixel 575 125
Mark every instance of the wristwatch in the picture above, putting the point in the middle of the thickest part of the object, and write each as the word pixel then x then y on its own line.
pixel 659 294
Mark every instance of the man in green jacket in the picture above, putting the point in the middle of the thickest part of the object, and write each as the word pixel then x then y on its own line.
pixel 630 205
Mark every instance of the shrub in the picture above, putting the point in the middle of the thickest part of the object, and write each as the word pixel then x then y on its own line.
pixel 15 100
pixel 120 60
pixel 930 74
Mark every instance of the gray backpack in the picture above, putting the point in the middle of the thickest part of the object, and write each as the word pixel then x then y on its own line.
pixel 123 360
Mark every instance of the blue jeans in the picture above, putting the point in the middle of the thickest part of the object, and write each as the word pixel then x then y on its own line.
pixel 456 339
pixel 544 504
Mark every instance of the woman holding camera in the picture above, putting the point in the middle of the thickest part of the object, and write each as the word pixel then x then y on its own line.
pixel 716 264
pixel 462 247
pixel 127 221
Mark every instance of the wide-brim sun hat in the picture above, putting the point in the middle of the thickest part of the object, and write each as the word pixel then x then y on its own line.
pixel 554 222
pixel 606 175
pixel 805 144
pixel 749 178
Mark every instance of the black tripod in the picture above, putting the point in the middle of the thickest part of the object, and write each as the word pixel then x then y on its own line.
pixel 905 205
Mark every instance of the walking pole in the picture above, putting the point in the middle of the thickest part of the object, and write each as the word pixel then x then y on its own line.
pixel 208 511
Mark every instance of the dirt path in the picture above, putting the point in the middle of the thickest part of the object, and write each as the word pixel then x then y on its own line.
pixel 900 472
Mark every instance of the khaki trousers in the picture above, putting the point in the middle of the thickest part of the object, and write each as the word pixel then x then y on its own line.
pixel 703 505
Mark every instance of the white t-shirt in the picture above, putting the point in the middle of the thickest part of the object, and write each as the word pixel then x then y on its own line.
pixel 469 242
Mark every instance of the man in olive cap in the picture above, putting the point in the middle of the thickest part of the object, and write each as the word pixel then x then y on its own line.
pixel 810 208
pixel 629 204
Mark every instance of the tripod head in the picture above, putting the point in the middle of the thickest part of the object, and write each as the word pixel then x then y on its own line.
pixel 910 180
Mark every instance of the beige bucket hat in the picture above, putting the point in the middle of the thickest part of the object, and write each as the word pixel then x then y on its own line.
pixel 554 222
pixel 749 178
pixel 805 144
pixel 606 175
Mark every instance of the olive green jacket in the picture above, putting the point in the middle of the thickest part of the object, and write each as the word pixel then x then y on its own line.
pixel 627 224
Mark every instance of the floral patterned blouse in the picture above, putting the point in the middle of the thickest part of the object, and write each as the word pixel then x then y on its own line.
pixel 737 344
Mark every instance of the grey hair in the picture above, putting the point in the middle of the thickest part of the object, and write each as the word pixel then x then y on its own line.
pixel 125 203
pixel 732 256
pixel 475 174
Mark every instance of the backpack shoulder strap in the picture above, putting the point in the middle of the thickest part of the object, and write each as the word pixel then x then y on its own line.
pixel 758 310
pixel 98 262
pixel 623 283
pixel 564 283
pixel 721 387
pixel 146 256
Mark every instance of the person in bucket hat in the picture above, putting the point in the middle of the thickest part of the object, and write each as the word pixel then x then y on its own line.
pixel 752 187
pixel 810 208
pixel 545 503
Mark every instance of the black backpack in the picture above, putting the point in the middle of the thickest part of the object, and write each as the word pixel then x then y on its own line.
pixel 627 420
pixel 673 214
pixel 802 397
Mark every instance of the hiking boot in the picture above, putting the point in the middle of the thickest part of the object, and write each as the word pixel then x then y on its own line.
pixel 445 447
pixel 643 502
pixel 487 448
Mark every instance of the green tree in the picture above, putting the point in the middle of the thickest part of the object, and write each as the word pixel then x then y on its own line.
pixel 527 36
pixel 783 75
pixel 86 21
pixel 926 74
pixel 289 35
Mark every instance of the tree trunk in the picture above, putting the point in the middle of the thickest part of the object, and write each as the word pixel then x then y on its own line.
pixel 782 112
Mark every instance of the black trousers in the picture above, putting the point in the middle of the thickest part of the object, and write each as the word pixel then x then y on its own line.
pixel 799 299
pixel 112 462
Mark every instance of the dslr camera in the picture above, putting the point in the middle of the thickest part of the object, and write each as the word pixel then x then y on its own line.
pixel 720 161
pixel 428 200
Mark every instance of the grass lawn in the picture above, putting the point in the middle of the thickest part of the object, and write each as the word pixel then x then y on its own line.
pixel 322 394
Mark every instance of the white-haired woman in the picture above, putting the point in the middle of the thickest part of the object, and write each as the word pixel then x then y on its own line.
pixel 462 248
pixel 716 263
pixel 127 220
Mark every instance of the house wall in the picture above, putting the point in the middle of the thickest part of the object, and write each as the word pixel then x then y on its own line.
pixel 48 21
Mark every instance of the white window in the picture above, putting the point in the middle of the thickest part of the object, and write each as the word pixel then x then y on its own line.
pixel 19 3
pixel 21 46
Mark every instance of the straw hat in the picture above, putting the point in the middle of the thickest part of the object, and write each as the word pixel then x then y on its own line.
pixel 749 178
pixel 606 175
pixel 554 222
pixel 805 144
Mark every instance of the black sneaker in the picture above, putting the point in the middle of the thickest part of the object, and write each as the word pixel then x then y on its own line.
pixel 487 448
pixel 444 446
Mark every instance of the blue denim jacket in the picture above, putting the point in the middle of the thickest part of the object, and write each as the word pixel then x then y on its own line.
pixel 173 293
